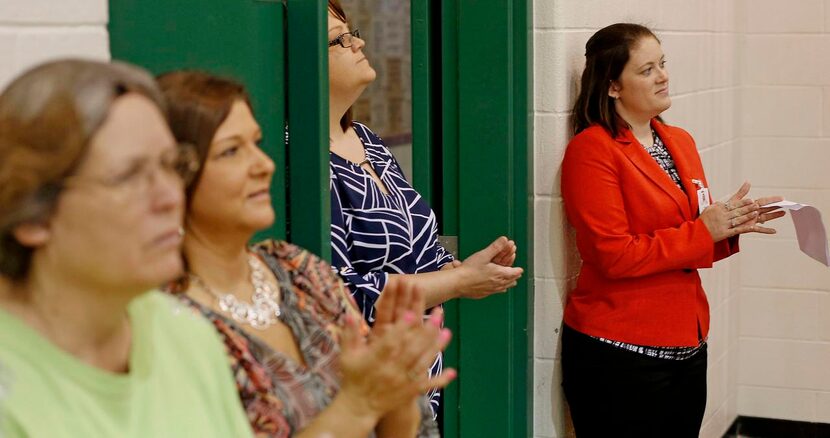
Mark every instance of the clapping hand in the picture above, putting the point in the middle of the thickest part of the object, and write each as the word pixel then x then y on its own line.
pixel 388 370
pixel 490 270
pixel 739 215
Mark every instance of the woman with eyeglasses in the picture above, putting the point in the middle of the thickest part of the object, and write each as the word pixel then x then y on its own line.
pixel 293 334
pixel 91 204
pixel 634 342
pixel 381 228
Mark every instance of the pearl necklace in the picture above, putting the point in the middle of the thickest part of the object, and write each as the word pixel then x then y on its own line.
pixel 265 309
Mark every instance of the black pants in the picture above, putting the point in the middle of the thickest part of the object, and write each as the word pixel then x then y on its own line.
pixel 618 393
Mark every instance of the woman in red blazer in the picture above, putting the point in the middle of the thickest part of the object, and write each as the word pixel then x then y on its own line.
pixel 634 337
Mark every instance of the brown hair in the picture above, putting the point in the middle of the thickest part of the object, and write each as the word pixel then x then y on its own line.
pixel 337 10
pixel 198 104
pixel 606 54
pixel 48 116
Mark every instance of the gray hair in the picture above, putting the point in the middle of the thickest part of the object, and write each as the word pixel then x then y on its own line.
pixel 48 115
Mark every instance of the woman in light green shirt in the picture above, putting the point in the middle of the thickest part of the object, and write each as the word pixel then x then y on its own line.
pixel 91 203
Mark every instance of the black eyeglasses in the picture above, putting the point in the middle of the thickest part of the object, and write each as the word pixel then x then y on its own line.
pixel 345 39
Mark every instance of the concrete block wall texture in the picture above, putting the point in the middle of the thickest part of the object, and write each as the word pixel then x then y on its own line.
pixel 33 31
pixel 702 41
pixel 784 337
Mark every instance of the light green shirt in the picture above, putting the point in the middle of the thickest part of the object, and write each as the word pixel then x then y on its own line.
pixel 179 383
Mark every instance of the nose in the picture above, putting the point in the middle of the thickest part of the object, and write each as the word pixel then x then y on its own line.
pixel 263 165
pixel 358 43
pixel 166 190
pixel 664 73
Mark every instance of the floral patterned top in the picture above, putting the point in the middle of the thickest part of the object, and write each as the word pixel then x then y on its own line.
pixel 281 396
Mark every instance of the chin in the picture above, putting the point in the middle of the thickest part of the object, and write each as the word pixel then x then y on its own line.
pixel 261 221
pixel 154 275
pixel 663 106
pixel 371 74
pixel 164 270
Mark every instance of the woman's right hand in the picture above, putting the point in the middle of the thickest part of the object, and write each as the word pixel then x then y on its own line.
pixel 390 369
pixel 489 271
pixel 733 217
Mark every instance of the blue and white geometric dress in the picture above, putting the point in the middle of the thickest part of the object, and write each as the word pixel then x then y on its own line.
pixel 374 234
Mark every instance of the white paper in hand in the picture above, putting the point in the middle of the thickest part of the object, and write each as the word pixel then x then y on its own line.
pixel 809 229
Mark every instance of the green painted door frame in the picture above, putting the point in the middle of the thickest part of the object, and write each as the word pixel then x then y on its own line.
pixel 473 160
pixel 495 197
pixel 308 118
pixel 472 129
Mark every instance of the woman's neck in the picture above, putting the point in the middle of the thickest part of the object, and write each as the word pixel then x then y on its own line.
pixel 339 104
pixel 86 319
pixel 219 259
pixel 642 132
pixel 336 132
pixel 640 125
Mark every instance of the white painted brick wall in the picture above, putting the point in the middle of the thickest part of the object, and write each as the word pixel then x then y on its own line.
pixel 703 46
pixel 33 31
pixel 772 16
pixel 826 15
pixel 784 340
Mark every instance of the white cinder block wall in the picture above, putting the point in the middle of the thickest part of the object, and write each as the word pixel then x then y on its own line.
pixel 33 31
pixel 701 41
pixel 784 362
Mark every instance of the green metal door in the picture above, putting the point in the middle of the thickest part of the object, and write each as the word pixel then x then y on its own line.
pixel 472 125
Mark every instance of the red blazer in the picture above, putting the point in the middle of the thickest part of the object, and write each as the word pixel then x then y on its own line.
pixel 640 239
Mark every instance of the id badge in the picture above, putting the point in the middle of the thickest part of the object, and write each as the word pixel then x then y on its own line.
pixel 703 198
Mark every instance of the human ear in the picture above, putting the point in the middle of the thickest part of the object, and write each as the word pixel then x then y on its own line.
pixel 32 234
pixel 614 90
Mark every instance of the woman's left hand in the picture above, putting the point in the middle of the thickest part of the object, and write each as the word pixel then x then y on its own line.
pixel 391 309
pixel 507 255
pixel 765 214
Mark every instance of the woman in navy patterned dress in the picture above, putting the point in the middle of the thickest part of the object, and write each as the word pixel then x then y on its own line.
pixel 381 228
